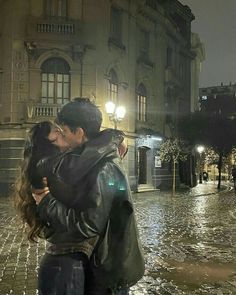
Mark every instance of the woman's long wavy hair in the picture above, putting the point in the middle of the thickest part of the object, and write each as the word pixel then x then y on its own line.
pixel 37 147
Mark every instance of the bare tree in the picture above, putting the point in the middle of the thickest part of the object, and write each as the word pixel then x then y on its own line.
pixel 172 150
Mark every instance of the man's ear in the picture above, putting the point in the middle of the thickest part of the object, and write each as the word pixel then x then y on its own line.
pixel 80 135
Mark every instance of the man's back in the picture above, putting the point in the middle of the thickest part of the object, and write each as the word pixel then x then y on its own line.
pixel 117 260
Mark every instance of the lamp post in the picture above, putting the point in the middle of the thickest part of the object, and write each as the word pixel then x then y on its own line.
pixel 116 113
pixel 200 150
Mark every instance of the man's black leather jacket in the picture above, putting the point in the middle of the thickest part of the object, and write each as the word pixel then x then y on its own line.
pixel 97 203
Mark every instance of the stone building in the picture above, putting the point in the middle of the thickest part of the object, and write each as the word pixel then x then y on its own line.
pixel 199 50
pixel 135 53
pixel 187 168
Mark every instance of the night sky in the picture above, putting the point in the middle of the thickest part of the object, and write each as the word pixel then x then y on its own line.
pixel 215 22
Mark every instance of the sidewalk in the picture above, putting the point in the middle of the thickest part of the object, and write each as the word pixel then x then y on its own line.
pixel 207 188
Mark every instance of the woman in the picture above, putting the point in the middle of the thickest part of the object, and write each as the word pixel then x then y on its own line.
pixel 42 158
pixel 43 141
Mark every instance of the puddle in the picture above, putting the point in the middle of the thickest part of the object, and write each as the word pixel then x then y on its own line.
pixel 198 273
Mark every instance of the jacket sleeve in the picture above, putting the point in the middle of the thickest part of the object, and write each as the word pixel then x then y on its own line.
pixel 89 220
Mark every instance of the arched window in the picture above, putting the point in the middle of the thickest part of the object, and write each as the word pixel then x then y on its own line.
pixel 142 103
pixel 55 81
pixel 55 8
pixel 116 24
pixel 113 86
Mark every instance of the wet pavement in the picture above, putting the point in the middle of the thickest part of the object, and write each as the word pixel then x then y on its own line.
pixel 189 241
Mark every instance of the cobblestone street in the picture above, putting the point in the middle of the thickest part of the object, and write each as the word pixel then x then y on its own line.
pixel 189 242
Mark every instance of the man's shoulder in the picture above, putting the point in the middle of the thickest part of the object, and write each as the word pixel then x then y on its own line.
pixel 76 151
pixel 110 168
pixel 113 163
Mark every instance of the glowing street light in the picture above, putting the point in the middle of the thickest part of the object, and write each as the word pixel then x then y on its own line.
pixel 200 150
pixel 110 107
pixel 116 113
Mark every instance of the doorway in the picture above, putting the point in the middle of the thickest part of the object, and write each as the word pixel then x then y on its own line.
pixel 142 165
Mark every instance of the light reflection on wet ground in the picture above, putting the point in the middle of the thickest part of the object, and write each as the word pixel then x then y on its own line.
pixel 189 242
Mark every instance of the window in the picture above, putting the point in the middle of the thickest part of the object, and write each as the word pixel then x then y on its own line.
pixel 168 106
pixel 1 86
pixel 142 103
pixel 144 42
pixel 116 24
pixel 55 8
pixel 55 81
pixel 169 57
pixel 113 86
pixel 152 4
pixel 181 71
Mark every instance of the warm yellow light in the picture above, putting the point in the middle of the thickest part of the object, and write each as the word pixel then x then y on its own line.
pixel 200 149
pixel 110 107
pixel 120 112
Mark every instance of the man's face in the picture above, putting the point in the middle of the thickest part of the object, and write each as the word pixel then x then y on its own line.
pixel 73 139
pixel 55 137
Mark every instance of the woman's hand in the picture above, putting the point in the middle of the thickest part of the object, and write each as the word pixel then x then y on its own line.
pixel 39 194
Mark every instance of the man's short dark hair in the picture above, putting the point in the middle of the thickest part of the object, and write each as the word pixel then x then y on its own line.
pixel 81 112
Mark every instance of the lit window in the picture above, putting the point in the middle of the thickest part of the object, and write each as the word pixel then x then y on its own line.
pixel 55 81
pixel 142 103
pixel 113 86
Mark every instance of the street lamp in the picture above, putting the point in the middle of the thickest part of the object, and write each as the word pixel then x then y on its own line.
pixel 116 113
pixel 200 150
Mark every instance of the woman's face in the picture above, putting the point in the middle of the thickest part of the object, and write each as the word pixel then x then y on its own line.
pixel 55 137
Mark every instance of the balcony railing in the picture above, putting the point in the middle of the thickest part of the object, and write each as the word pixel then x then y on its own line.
pixel 52 28
pixel 46 27
pixel 145 60
pixel 39 110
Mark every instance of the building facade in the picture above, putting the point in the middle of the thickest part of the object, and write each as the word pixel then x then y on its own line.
pixel 219 99
pixel 199 51
pixel 135 53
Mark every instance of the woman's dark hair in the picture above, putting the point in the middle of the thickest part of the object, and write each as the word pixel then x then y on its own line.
pixel 37 146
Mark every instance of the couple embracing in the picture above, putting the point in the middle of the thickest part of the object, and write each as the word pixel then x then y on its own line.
pixel 73 192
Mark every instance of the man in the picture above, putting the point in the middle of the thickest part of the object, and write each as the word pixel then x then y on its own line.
pixel 99 226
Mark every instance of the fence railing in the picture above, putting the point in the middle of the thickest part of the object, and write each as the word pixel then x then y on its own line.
pixel 47 27
pixel 42 110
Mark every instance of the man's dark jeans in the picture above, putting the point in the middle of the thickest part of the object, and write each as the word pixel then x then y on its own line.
pixel 62 274
pixel 68 275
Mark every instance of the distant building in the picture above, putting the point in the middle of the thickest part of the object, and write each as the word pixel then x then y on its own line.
pixel 137 54
pixel 219 99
